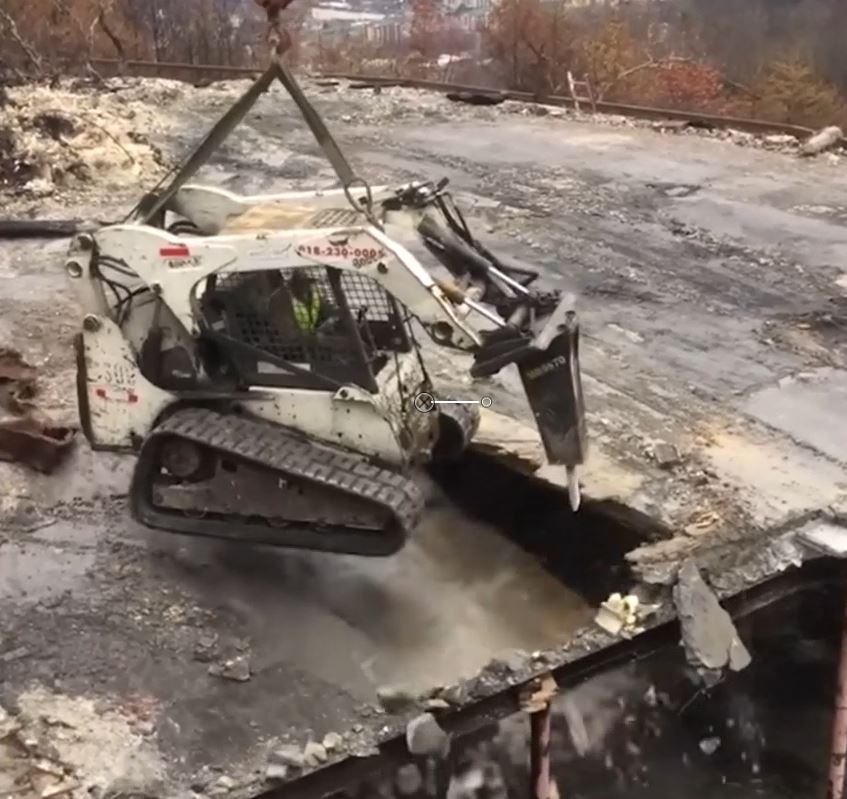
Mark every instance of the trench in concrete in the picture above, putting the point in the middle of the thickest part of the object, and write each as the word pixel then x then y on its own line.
pixel 585 550
pixel 649 729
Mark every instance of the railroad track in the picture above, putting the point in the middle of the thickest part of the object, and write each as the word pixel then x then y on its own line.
pixel 210 72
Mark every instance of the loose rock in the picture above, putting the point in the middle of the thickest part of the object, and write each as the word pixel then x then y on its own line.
pixel 332 741
pixel 314 754
pixel 276 772
pixel 288 755
pixel 424 737
pixel 238 669
pixel 666 455
pixel 204 651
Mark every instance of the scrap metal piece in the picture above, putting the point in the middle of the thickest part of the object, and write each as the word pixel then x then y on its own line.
pixel 38 445
pixel 536 700
pixel 838 749
pixel 710 639
pixel 27 437
pixel 538 694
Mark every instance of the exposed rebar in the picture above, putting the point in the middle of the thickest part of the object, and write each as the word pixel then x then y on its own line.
pixel 539 754
pixel 838 751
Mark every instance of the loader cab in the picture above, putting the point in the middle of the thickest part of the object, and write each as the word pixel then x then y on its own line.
pixel 298 327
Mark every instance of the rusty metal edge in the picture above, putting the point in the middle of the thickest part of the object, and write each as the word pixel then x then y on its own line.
pixel 758 126
pixel 622 109
pixel 470 719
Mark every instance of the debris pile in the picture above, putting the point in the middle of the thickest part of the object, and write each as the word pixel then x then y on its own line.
pixel 58 139
pixel 54 745
pixel 27 435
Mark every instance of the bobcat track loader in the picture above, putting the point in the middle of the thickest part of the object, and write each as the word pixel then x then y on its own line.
pixel 259 355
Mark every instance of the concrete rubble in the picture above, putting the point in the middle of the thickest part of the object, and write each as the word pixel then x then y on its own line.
pixel 710 639
pixel 56 140
pixel 58 746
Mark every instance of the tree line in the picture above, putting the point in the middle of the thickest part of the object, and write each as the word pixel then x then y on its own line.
pixel 778 59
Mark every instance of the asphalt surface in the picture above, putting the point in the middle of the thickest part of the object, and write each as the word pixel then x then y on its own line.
pixel 713 286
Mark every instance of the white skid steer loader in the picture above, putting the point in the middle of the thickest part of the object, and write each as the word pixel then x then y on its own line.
pixel 258 353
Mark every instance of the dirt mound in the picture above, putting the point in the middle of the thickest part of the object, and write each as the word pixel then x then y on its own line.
pixel 57 139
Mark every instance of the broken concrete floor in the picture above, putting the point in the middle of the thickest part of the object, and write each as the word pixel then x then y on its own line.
pixel 711 283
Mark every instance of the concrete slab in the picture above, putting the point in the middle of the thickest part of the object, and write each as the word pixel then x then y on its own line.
pixel 810 407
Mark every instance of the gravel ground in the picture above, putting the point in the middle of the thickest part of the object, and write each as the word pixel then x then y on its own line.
pixel 711 272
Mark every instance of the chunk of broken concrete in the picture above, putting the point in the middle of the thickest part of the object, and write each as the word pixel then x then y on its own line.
pixel 424 737
pixel 822 140
pixel 314 754
pixel 708 634
pixel 204 650
pixel 332 741
pixel 288 755
pixel 276 772
pixel 238 669
pixel 666 455
pixel 395 698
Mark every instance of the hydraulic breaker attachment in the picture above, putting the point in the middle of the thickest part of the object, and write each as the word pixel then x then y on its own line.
pixel 536 330
pixel 548 363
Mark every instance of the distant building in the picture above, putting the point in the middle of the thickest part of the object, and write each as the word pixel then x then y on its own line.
pixel 385 33
pixel 468 15
pixel 341 12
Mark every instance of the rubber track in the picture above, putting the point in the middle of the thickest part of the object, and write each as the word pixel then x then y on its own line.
pixel 269 446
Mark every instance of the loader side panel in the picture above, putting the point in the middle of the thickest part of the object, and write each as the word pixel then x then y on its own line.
pixel 118 406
